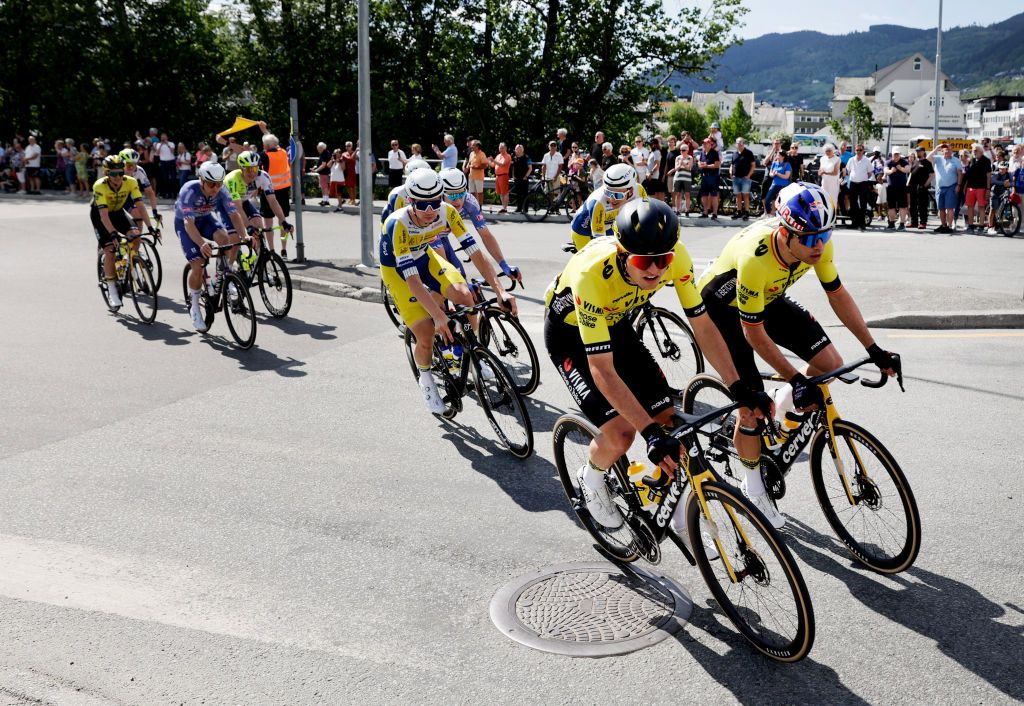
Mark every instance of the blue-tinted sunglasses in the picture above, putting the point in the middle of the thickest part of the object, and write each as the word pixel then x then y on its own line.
pixel 812 239
pixel 456 197
pixel 620 195
pixel 427 205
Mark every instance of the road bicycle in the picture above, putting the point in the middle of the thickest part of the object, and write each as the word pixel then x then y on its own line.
pixel 267 270
pixel 228 292
pixel 727 199
pixel 134 279
pixel 148 251
pixel 541 203
pixel 1007 214
pixel 865 496
pixel 668 337
pixel 501 402
pixel 743 560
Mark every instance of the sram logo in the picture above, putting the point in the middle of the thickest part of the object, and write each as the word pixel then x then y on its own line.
pixel 796 442
pixel 665 511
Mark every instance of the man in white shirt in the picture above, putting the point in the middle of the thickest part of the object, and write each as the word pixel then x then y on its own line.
pixel 551 165
pixel 396 165
pixel 639 154
pixel 862 180
pixel 168 167
pixel 33 153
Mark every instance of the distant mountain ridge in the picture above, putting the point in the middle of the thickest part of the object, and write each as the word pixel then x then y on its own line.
pixel 797 68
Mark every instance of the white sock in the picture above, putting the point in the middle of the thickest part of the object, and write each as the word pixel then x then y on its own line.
pixel 427 379
pixel 194 293
pixel 755 486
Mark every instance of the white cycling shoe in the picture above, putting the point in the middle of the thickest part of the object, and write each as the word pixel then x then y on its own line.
pixel 197 319
pixel 678 525
pixel 485 371
pixel 597 498
pixel 764 503
pixel 113 297
pixel 431 395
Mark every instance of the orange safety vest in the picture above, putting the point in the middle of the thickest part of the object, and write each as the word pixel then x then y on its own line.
pixel 280 171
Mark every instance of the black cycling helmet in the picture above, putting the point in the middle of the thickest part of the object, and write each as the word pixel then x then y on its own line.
pixel 647 227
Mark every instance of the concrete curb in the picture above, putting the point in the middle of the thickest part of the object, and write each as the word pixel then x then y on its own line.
pixel 336 289
pixel 1005 318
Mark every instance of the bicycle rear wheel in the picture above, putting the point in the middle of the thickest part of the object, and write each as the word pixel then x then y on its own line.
pixel 148 253
pixel 505 337
pixel 209 310
pixel 275 285
pixel 143 291
pixel 882 526
pixel 239 311
pixel 536 208
pixel 502 404
pixel 1008 220
pixel 673 345
pixel 571 437
pixel 703 394
pixel 766 597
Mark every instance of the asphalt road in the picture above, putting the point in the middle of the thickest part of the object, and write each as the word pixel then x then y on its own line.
pixel 185 523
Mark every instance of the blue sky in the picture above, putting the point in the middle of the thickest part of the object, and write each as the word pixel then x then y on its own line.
pixel 841 17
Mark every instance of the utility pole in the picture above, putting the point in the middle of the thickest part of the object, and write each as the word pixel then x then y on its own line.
pixel 938 70
pixel 298 169
pixel 366 228
pixel 888 134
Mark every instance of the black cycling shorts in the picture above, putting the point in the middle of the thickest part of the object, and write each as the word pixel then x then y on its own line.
pixel 121 220
pixel 787 323
pixel 284 200
pixel 633 362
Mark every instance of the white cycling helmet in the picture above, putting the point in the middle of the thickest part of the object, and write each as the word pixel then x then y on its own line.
pixel 423 185
pixel 620 177
pixel 212 172
pixel 454 181
pixel 414 164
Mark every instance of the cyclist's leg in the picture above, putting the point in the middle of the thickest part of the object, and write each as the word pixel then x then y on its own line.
pixel 105 242
pixel 412 312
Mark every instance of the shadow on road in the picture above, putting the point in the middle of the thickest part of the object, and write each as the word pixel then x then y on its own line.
pixel 255 359
pixel 156 331
pixel 962 622
pixel 297 327
pixel 533 483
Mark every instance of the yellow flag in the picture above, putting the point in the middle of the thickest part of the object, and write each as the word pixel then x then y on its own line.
pixel 240 124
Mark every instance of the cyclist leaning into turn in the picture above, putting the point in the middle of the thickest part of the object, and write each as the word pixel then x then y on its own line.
pixel 112 196
pixel 745 292
pixel 597 214
pixel 195 224
pixel 412 270
pixel 609 372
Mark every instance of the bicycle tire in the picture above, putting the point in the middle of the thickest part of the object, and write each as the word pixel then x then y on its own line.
pixel 274 279
pixel 209 310
pixel 536 207
pixel 756 203
pixel 451 393
pixel 501 401
pixel 873 498
pixel 1009 218
pixel 389 306
pixel 498 330
pixel 571 438
pixel 143 291
pixel 702 394
pixel 238 309
pixel 148 253
pixel 674 345
pixel 755 622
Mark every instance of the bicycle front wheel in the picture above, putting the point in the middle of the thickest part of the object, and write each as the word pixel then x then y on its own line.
pixel 765 596
pixel 703 394
pixel 1009 219
pixel 673 345
pixel 143 291
pixel 536 208
pixel 877 520
pixel 148 253
pixel 505 337
pixel 239 311
pixel 502 403
pixel 572 436
pixel 275 285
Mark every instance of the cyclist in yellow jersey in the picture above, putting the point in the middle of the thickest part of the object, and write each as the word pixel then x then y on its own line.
pixel 609 372
pixel 112 196
pixel 597 214
pixel 412 271
pixel 745 292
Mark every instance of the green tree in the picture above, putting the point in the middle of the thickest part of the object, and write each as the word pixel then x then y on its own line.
pixel 684 117
pixel 738 124
pixel 857 123
pixel 713 115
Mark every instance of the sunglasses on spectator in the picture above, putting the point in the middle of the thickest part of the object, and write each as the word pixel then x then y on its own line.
pixel 431 205
pixel 812 239
pixel 620 195
pixel 644 262
pixel 456 197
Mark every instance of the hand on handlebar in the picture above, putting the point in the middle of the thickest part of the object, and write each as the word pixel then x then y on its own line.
pixel 806 395
pixel 508 301
pixel 206 249
pixel 757 400
pixel 662 447
pixel 442 329
pixel 887 361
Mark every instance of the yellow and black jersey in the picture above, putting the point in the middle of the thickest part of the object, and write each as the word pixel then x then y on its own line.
pixel 105 196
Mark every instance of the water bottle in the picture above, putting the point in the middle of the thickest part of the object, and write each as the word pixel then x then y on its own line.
pixel 650 483
pixel 211 285
pixel 452 358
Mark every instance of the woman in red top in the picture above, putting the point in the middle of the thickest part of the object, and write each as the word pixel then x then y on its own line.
pixel 501 163
pixel 351 178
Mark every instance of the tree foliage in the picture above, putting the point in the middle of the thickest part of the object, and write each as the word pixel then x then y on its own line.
pixel 857 123
pixel 737 124
pixel 683 116
pixel 502 71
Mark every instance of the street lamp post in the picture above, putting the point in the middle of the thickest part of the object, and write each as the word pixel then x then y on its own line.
pixel 938 70
pixel 365 139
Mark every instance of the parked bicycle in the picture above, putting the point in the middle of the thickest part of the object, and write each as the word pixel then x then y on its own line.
pixel 228 292
pixel 743 560
pixel 495 391
pixel 541 203
pixel 866 498
pixel 1007 214
pixel 134 279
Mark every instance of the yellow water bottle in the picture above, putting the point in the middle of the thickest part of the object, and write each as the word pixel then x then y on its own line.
pixel 650 483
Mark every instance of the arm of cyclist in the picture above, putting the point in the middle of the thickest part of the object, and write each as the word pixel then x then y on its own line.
pixel 848 312
pixel 105 220
pixel 278 213
pixel 424 297
pixel 483 265
pixel 138 211
pixel 494 249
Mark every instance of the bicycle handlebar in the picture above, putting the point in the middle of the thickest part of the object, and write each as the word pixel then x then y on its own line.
pixel 513 283
pixel 882 380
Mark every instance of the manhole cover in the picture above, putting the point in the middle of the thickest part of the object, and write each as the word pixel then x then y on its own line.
pixel 590 609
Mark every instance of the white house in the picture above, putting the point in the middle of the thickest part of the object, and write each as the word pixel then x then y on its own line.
pixel 996 117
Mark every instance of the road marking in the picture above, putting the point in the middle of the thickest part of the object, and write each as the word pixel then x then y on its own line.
pixel 1001 334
